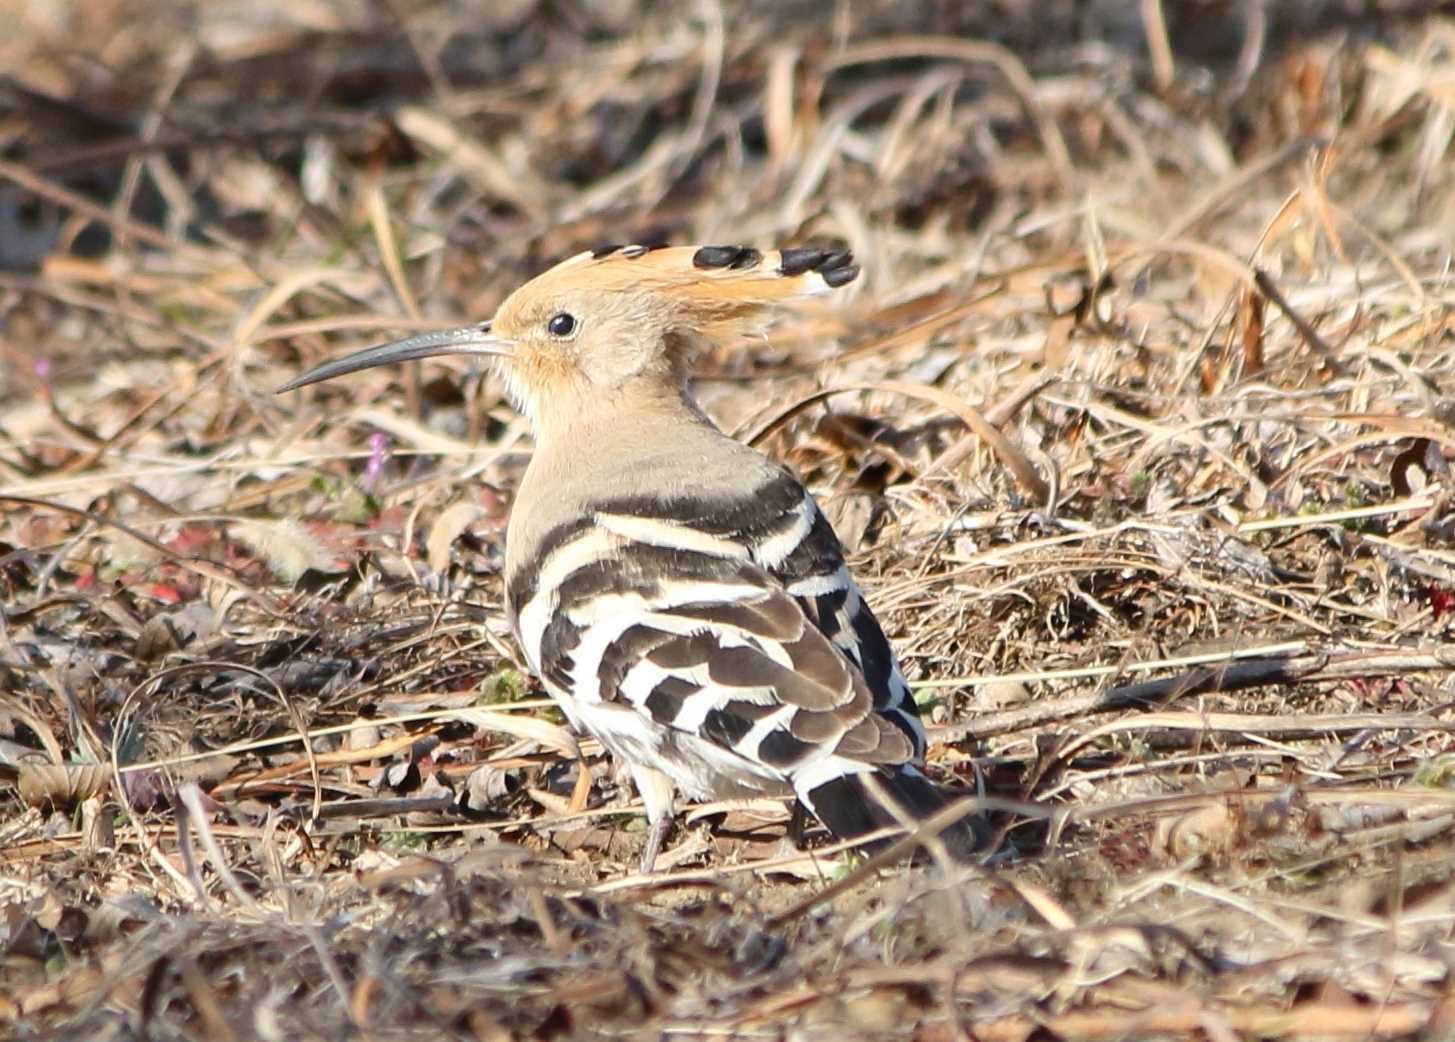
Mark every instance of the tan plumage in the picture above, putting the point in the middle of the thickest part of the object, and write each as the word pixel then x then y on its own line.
pixel 680 595
pixel 648 309
pixel 714 287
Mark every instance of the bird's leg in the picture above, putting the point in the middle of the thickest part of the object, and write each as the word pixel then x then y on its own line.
pixel 656 833
pixel 657 793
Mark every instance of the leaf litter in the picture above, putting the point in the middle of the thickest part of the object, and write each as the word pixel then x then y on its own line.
pixel 1137 426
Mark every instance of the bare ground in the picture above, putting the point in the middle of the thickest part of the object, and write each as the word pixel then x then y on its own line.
pixel 1138 424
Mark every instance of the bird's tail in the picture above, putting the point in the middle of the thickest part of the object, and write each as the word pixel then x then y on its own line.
pixel 856 804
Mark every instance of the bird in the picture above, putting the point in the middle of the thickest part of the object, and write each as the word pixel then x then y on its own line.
pixel 681 596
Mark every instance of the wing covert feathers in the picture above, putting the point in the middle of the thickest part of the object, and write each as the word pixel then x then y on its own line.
pixel 688 616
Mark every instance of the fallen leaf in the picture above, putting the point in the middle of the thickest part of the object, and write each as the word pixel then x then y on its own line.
pixel 448 527
pixel 61 784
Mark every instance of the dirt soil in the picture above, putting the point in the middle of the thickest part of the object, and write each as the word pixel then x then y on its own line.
pixel 1138 426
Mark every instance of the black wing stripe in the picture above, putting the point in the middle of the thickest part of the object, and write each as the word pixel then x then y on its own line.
pixel 725 727
pixel 825 610
pixel 666 699
pixel 781 750
pixel 634 644
pixel 817 554
pixel 741 514
pixel 729 725
pixel 560 638
pixel 522 585
pixel 876 660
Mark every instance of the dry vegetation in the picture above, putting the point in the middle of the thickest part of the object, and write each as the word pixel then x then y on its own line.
pixel 1150 369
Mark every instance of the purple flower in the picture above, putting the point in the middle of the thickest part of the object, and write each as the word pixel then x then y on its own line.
pixel 378 453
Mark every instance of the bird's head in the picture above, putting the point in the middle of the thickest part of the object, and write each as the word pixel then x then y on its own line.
pixel 616 317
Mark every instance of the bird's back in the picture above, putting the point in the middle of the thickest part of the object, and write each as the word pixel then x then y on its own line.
pixel 685 599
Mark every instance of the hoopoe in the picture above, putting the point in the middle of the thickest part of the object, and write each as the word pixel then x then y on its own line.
pixel 681 596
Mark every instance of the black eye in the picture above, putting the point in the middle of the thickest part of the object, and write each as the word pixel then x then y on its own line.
pixel 561 324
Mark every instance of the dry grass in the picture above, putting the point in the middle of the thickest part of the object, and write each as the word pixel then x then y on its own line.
pixel 1149 370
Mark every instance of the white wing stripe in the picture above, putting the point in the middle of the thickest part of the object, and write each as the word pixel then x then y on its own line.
pixel 673 535
pixel 818 585
pixel 774 550
pixel 591 546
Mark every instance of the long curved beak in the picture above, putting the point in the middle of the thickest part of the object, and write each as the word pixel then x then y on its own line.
pixel 466 340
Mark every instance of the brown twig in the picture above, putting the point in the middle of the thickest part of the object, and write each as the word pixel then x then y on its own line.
pixel 1237 676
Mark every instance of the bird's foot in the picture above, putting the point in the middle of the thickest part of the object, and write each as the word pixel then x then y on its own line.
pixel 656 835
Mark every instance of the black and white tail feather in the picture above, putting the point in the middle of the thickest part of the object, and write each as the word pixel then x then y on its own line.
pixel 681 597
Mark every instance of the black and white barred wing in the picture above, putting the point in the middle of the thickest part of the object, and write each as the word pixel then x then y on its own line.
pixel 790 537
pixel 678 651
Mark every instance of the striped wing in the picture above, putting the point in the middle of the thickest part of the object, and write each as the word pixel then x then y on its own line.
pixel 793 540
pixel 734 622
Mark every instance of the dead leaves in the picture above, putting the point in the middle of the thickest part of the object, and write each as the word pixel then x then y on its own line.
pixel 61 784
pixel 448 527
